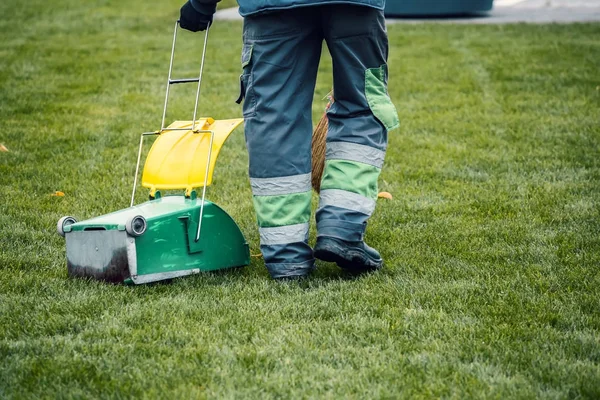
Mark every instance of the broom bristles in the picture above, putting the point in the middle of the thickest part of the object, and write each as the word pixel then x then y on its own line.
pixel 318 152
pixel 318 149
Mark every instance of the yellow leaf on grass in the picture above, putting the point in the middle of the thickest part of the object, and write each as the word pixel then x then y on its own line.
pixel 385 195
pixel 3 148
pixel 58 193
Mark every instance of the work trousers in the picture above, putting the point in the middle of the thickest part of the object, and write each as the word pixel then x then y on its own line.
pixel 280 58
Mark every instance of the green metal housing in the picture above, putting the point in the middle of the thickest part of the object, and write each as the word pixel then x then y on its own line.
pixel 102 247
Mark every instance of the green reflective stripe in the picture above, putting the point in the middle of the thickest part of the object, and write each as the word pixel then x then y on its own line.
pixel 283 234
pixel 355 152
pixel 282 210
pixel 247 54
pixel 352 176
pixel 347 200
pixel 379 101
pixel 280 185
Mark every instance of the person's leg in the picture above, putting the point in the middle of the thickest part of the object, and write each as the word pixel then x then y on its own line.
pixel 359 120
pixel 280 58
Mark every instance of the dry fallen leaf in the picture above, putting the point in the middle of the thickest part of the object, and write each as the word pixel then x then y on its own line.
pixel 385 195
pixel 3 148
pixel 58 193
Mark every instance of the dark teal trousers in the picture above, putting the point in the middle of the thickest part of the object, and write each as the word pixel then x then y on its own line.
pixel 280 58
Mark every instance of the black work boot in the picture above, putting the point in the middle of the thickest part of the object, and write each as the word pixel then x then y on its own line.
pixel 353 257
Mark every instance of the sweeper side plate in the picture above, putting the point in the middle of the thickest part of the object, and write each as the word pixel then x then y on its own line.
pixel 114 249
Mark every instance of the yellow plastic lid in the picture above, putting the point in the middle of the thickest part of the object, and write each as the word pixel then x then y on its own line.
pixel 178 158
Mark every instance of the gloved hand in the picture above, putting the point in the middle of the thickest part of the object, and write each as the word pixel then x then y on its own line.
pixel 192 19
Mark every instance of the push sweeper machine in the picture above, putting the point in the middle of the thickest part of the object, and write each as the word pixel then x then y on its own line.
pixel 167 236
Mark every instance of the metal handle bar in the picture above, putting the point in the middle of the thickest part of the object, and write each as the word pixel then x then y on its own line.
pixel 171 81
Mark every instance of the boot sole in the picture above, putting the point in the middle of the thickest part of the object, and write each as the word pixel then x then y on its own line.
pixel 352 260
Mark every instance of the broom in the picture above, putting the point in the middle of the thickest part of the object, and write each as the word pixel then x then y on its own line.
pixel 318 148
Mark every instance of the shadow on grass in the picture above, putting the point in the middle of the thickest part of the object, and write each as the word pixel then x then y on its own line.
pixel 255 274
pixel 324 275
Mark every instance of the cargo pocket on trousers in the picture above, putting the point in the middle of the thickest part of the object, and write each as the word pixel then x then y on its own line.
pixel 246 91
pixel 378 98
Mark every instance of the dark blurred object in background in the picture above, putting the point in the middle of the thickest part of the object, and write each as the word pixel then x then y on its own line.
pixel 435 8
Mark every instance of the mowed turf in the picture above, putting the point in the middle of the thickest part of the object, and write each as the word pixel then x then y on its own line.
pixel 492 241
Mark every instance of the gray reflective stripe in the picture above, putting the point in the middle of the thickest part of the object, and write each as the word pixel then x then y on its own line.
pixel 348 200
pixel 280 185
pixel 283 234
pixel 355 152
pixel 284 270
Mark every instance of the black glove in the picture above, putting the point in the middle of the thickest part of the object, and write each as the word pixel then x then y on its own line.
pixel 192 19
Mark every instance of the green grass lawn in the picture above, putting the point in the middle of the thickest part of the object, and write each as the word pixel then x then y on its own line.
pixel 491 286
pixel 227 4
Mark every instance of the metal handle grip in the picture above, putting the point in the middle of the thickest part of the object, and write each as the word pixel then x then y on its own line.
pixel 185 80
